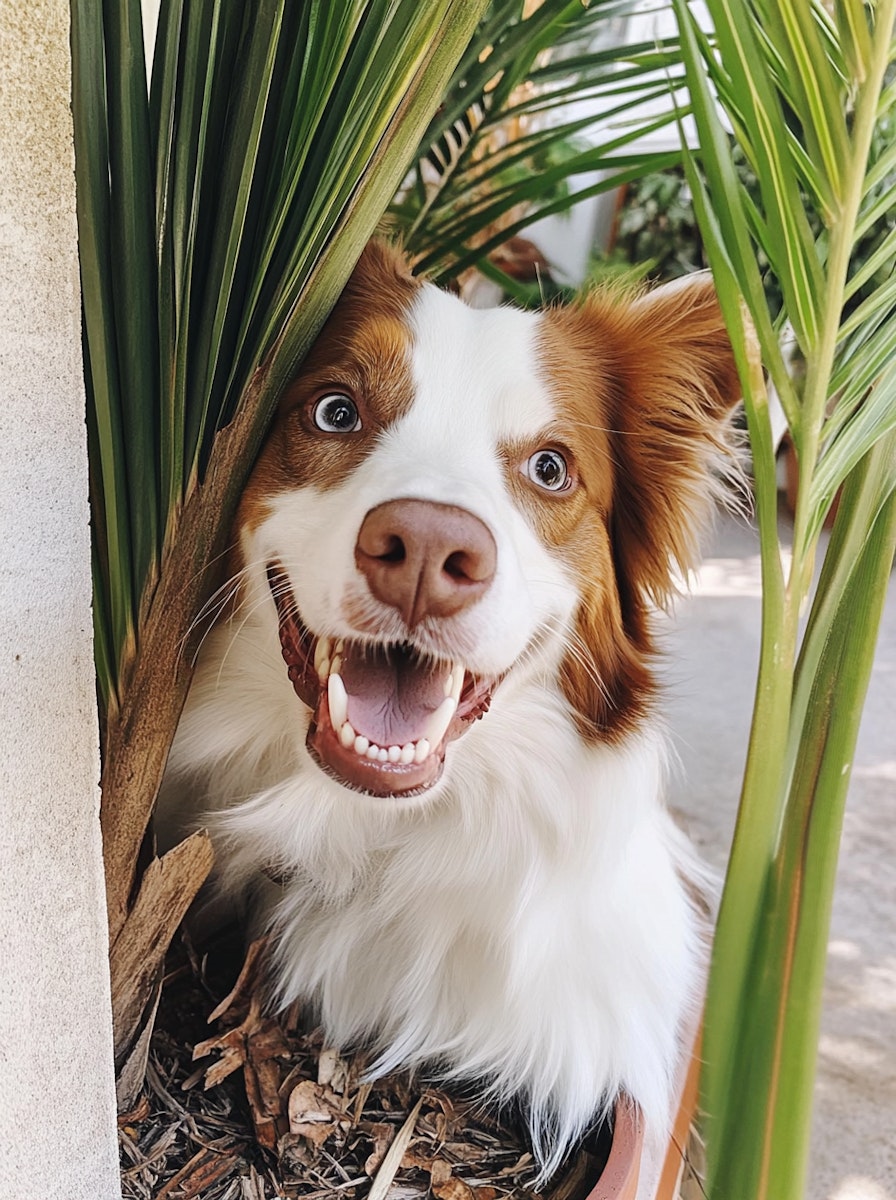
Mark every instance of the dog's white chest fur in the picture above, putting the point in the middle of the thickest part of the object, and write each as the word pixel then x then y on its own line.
pixel 455 552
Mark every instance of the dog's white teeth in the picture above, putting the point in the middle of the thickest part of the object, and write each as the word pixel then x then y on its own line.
pixel 336 664
pixel 437 725
pixel 321 655
pixel 340 646
pixel 421 750
pixel 457 681
pixel 410 752
pixel 337 698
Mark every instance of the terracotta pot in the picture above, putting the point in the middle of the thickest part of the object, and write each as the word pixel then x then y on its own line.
pixel 619 1178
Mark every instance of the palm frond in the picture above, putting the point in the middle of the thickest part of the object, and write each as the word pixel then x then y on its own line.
pixel 507 141
pixel 805 94
pixel 219 217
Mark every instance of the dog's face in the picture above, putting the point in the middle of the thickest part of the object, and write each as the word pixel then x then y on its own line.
pixel 452 498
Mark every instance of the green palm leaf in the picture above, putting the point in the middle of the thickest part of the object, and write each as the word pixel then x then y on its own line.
pixel 504 145
pixel 219 217
pixel 804 98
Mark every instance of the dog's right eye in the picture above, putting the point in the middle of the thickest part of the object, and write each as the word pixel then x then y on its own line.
pixel 336 413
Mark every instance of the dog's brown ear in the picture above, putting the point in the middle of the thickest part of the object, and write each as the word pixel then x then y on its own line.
pixel 664 385
pixel 381 263
pixel 674 389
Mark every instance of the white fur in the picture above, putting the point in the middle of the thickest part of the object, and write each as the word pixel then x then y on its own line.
pixel 524 923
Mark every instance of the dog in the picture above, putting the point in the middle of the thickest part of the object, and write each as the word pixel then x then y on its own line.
pixel 427 709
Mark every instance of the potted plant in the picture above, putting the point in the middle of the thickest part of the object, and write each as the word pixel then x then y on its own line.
pixel 219 216
pixel 209 262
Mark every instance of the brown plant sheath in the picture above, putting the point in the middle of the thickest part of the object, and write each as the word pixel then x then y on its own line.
pixel 167 890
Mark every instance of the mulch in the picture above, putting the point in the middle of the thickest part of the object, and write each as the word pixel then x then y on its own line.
pixel 243 1105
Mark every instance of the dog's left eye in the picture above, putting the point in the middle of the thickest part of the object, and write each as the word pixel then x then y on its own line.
pixel 336 413
pixel 548 469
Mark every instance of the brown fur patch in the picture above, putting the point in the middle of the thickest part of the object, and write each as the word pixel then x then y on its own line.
pixel 646 386
pixel 362 351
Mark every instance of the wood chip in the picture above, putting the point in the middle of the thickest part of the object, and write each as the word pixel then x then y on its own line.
pixel 247 979
pixel 386 1174
pixel 136 1114
pixel 203 1169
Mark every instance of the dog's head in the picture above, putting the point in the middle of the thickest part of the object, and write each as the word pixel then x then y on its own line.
pixel 451 498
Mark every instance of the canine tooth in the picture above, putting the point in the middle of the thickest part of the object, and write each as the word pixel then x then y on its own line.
pixel 323 670
pixel 347 735
pixel 336 664
pixel 407 753
pixel 361 744
pixel 457 681
pixel 449 684
pixel 421 750
pixel 373 752
pixel 321 652
pixel 383 755
pixel 437 725
pixel 340 646
pixel 338 701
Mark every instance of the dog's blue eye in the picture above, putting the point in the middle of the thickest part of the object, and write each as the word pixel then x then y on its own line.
pixel 336 414
pixel 548 469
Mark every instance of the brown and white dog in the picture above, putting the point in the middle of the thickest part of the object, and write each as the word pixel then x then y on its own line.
pixel 454 537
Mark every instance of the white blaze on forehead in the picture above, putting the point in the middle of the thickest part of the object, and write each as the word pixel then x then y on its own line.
pixel 478 369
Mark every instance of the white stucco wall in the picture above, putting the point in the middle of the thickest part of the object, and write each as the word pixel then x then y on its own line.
pixel 57 1105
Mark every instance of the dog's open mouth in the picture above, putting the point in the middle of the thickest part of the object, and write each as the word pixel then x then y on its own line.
pixel 383 713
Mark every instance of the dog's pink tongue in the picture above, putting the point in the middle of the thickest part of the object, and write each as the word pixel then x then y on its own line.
pixel 390 694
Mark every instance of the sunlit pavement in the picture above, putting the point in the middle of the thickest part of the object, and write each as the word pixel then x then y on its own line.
pixel 712 643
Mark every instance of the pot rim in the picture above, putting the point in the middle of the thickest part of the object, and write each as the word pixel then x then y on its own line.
pixel 619 1178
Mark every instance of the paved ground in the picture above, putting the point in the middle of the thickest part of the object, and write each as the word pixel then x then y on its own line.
pixel 713 648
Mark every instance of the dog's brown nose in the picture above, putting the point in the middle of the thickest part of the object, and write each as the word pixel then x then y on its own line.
pixel 425 559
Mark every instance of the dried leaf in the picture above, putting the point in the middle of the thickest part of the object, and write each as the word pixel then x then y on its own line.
pixel 439 1172
pixel 314 1111
pixel 382 1135
pixel 453 1189
pixel 416 1159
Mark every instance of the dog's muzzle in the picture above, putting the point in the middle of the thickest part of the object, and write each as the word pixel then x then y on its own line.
pixel 384 713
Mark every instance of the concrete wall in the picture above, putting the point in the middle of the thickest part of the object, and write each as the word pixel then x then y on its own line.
pixel 57 1106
